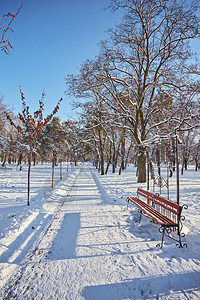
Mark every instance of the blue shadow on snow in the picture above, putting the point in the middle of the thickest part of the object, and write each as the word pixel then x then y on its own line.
pixel 64 243
pixel 146 288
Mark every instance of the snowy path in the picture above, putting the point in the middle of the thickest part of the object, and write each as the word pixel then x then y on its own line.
pixel 93 250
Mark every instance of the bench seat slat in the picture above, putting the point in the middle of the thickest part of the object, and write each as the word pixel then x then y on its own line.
pixel 151 212
pixel 156 215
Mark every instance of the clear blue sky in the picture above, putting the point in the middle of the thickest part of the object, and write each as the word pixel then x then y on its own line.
pixel 51 39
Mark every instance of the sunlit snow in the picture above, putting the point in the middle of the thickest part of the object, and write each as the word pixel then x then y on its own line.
pixel 78 241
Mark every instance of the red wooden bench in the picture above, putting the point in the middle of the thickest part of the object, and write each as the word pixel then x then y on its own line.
pixel 162 211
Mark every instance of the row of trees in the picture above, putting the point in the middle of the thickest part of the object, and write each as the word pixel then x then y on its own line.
pixel 30 138
pixel 54 143
pixel 144 82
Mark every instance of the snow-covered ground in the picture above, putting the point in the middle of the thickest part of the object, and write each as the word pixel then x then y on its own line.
pixel 77 240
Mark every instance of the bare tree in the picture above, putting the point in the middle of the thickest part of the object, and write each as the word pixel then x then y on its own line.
pixel 31 126
pixel 151 57
pixel 144 68
pixel 5 26
pixel 146 65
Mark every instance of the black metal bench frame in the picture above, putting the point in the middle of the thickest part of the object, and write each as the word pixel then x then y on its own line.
pixel 162 211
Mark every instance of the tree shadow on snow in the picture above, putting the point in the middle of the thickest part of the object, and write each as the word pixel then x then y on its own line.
pixel 64 243
pixel 146 288
pixel 27 237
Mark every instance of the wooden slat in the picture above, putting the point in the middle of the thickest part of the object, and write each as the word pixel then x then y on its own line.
pixel 167 202
pixel 151 212
pixel 166 207
pixel 161 201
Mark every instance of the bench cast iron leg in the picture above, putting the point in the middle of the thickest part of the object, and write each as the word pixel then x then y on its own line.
pixel 140 211
pixel 162 230
pixel 181 245
pixel 127 204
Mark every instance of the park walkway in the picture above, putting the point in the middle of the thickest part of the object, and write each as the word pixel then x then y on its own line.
pixel 93 250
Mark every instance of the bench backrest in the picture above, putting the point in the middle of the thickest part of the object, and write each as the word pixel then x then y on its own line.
pixel 168 208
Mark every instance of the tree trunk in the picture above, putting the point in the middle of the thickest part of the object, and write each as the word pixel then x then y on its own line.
pixel 158 160
pixel 99 166
pixel 96 163
pixel 120 170
pixel 60 170
pixel 186 163
pixel 102 165
pixel 75 159
pixel 101 151
pixel 141 166
pixel 123 154
pixel 113 159
pixel 113 167
pixel 196 165
pixel 129 149
pixel 4 160
pixel 122 165
pixel 29 177
pixel 9 160
pixel 19 163
pixel 109 155
pixel 53 167
pixel 107 167
pixel 151 170
pixel 34 159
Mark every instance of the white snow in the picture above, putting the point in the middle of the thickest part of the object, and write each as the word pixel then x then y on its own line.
pixel 78 241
